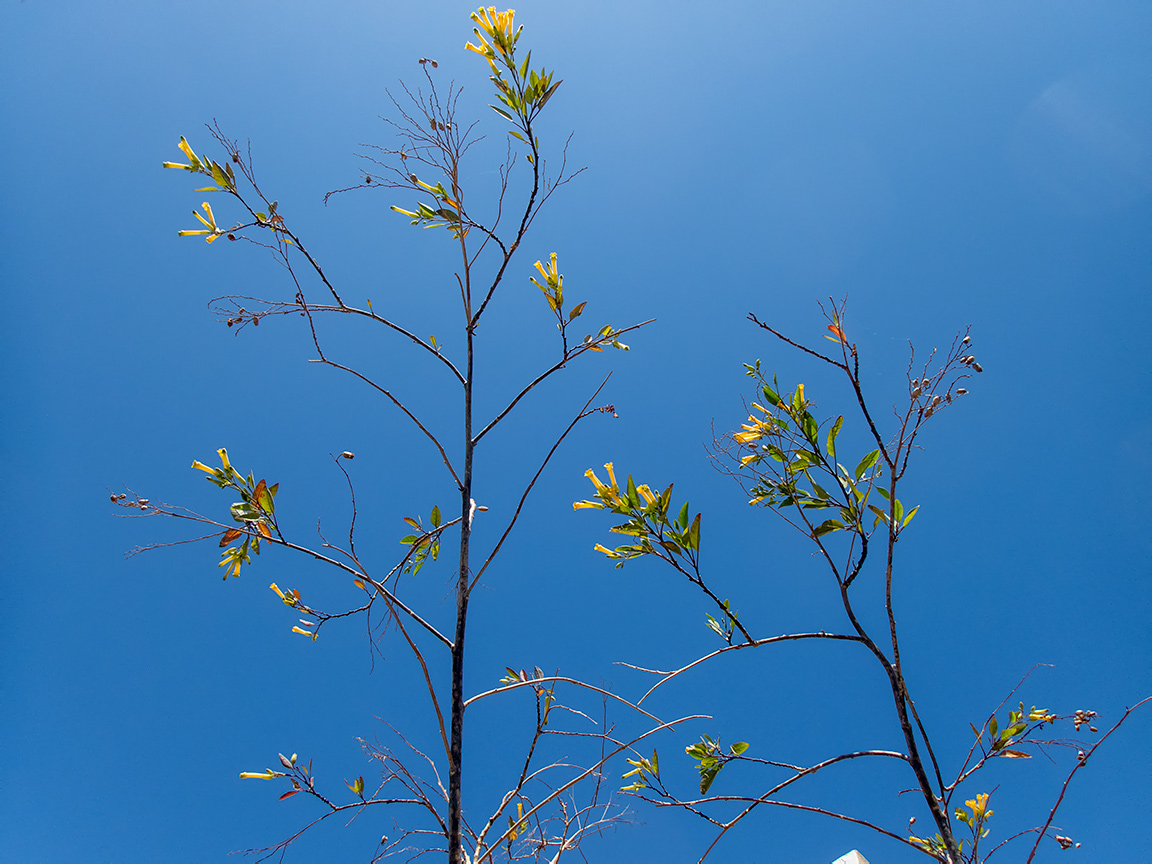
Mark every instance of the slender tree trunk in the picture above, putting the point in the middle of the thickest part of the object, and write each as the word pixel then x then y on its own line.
pixel 456 738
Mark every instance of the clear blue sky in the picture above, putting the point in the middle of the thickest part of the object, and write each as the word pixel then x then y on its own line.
pixel 942 164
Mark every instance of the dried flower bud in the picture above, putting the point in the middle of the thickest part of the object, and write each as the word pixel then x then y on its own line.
pixel 347 454
pixel 935 400
pixel 928 411
pixel 977 366
pixel 255 320
pixel 960 391
pixel 965 340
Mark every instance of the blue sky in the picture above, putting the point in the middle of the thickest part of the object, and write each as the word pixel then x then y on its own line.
pixel 940 164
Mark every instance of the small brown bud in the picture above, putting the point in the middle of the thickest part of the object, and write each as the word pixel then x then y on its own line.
pixel 965 340
pixel 960 391
pixel 977 366
pixel 113 497
pixel 1092 729
pixel 231 236
pixel 255 320
pixel 347 454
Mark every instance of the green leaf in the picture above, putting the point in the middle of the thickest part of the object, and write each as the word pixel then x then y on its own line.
pixel 707 778
pixel 827 527
pixel 832 433
pixel 866 463
pixel 738 748
pixel 811 429
pixel 434 517
pixel 548 95
pixel 770 395
pixel 631 493
pixel 502 112
pixel 911 513
pixel 683 518
pixel 694 534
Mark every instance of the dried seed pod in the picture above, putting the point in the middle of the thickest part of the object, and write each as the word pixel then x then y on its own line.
pixel 965 340
pixel 960 391
pixel 977 366
pixel 347 454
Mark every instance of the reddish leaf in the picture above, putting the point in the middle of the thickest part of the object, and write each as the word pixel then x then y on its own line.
pixel 289 794
pixel 838 333
pixel 229 535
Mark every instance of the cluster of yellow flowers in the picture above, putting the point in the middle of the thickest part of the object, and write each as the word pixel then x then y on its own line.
pixel 497 26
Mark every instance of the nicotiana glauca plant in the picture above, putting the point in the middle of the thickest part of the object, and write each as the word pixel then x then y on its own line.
pixel 551 802
pixel 848 507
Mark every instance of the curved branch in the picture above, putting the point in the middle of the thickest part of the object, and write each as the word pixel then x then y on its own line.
pixel 359 574
pixel 1080 763
pixel 443 455
pixel 584 412
pixel 368 313
pixel 608 693
pixel 668 676
pixel 765 798
pixel 539 378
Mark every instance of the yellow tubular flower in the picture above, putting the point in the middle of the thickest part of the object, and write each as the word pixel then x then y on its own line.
pixel 611 475
pixel 484 49
pixel 646 494
pixel 223 454
pixel 203 467
pixel 591 475
pixel 186 147
pixel 257 775
pixel 585 505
